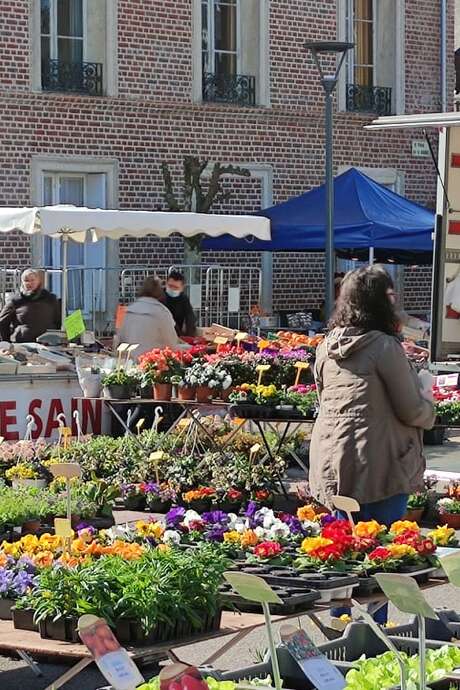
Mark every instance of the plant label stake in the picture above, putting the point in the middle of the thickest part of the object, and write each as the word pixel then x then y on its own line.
pixel 76 416
pixel 318 669
pixel 379 632
pixel 156 458
pixel 220 341
pixel 451 565
pixel 129 415
pixel 348 506
pixel 68 470
pixel 261 369
pixel 120 349
pixel 254 588
pixel 300 366
pixel 405 593
pixel 139 425
pixel 253 452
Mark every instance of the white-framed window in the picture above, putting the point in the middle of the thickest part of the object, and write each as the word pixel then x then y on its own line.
pixel 220 35
pixel 74 46
pixel 373 78
pixel 231 51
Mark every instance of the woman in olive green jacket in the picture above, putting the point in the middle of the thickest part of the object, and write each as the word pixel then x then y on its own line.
pixel 367 442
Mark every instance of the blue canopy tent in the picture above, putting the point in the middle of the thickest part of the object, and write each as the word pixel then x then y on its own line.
pixel 366 215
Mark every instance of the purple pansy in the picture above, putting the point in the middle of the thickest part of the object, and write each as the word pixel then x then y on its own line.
pixel 216 533
pixel 151 488
pixel 327 519
pixel 22 582
pixel 6 579
pixel 215 517
pixel 175 516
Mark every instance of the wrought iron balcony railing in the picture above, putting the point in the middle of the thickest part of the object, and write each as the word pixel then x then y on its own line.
pixel 77 77
pixel 369 99
pixel 229 88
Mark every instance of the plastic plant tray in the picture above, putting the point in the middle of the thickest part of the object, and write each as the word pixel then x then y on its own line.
pixel 294 600
pixel 446 629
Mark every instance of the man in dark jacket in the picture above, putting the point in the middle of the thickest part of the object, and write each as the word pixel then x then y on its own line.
pixel 179 304
pixel 31 312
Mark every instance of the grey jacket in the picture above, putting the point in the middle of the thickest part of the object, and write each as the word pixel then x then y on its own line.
pixel 149 324
pixel 367 442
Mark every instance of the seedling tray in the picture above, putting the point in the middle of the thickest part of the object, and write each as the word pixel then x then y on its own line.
pixel 445 629
pixel 294 600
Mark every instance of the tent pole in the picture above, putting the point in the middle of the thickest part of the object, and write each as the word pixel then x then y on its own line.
pixel 65 240
pixel 371 256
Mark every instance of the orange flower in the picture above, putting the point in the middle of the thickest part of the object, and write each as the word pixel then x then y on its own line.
pixel 3 559
pixel 369 529
pixel 401 526
pixel 68 560
pixel 43 559
pixel 249 538
pixel 306 513
pixel 164 548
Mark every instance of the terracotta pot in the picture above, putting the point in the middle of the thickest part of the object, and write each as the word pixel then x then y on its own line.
pixel 204 394
pixel 414 514
pixel 450 519
pixel 162 391
pixel 224 395
pixel 186 393
pixel 31 526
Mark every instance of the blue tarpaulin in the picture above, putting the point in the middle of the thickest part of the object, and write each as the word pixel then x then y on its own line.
pixel 366 214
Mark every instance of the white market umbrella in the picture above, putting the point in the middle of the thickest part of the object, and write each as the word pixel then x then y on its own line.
pixel 74 222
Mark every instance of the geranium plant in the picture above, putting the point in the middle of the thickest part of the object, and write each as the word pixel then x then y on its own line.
pixel 161 365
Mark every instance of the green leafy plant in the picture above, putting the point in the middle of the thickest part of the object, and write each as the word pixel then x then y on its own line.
pixel 119 377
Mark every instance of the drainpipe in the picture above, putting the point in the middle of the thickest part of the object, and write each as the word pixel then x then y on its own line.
pixel 444 56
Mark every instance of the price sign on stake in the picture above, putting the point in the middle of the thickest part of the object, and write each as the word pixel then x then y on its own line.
pixel 239 337
pixel 74 325
pixel 253 451
pixel 261 369
pixel 451 565
pixel 156 458
pixel 346 505
pixel 140 424
pixel 255 588
pixel 63 528
pixel 300 366
pixel 405 594
pixel 318 669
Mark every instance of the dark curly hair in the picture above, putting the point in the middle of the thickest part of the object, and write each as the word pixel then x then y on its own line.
pixel 363 302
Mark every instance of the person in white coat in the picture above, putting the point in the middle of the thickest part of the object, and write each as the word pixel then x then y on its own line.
pixel 149 323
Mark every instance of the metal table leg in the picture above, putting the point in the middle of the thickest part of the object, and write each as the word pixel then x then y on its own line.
pixel 71 673
pixel 30 662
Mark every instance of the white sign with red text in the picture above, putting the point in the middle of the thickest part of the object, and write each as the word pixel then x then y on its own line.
pixel 45 400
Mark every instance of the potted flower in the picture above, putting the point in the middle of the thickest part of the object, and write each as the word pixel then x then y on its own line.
pixel 199 499
pixel 416 506
pixel 25 474
pixel 133 496
pixel 208 379
pixel 158 497
pixel 160 366
pixel 268 552
pixel 183 390
pixel 14 583
pixel 449 511
pixel 443 536
pixel 231 500
pixel 119 384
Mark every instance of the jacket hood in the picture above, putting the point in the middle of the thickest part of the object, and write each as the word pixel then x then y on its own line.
pixel 146 305
pixel 343 342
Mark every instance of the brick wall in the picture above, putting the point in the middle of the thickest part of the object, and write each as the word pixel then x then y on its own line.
pixel 153 120
pixel 417 288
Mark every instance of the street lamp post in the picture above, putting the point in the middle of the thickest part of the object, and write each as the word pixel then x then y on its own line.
pixel 329 82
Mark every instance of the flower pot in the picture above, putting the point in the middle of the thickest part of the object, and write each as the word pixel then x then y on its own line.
pixel 229 506
pixel 224 395
pixel 156 505
pixel 186 393
pixel 117 391
pixel 63 629
pixel 30 483
pixel 200 506
pixel 23 619
pixel 414 514
pixel 162 391
pixel 134 502
pixel 450 519
pixel 145 392
pixel 434 437
pixel 31 526
pixel 5 609
pixel 204 394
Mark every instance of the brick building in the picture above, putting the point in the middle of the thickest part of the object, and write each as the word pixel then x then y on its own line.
pixel 96 94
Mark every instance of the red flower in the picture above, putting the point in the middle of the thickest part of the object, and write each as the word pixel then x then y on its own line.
pixel 336 527
pixel 267 549
pixel 234 495
pixel 332 552
pixel 196 526
pixel 380 554
pixel 364 544
pixel 262 494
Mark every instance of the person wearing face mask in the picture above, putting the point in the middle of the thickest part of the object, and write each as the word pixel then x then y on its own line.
pixel 31 312
pixel 179 304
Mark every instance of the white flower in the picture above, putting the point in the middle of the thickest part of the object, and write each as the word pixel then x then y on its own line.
pixel 171 537
pixel 313 528
pixel 279 530
pixel 190 516
pixel 260 532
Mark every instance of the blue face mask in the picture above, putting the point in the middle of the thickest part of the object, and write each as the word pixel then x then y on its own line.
pixel 173 293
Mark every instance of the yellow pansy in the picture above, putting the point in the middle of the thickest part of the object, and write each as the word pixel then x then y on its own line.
pixel 164 548
pixel 149 529
pixel 51 542
pixel 401 526
pixel 369 529
pixel 306 513
pixel 232 537
pixel 311 543
pixel 11 549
